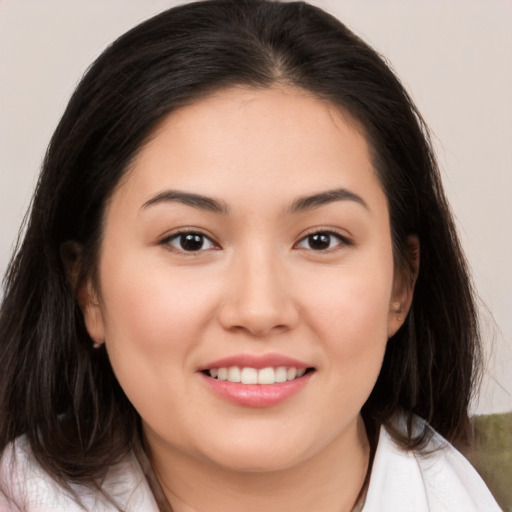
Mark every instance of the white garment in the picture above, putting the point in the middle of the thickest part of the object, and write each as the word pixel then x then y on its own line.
pixel 441 480
pixel 34 491
pixel 401 481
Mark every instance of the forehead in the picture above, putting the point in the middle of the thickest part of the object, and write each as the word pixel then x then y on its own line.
pixel 241 140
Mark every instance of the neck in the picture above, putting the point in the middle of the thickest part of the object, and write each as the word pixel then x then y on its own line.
pixel 330 481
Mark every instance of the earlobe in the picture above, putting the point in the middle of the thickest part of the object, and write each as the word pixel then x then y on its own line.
pixel 93 317
pixel 396 317
pixel 403 286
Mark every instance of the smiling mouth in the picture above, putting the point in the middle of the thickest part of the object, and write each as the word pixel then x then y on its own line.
pixel 265 376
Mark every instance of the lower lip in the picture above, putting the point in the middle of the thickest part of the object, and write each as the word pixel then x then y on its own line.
pixel 256 395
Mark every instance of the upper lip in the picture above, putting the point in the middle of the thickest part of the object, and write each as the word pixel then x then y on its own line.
pixel 256 361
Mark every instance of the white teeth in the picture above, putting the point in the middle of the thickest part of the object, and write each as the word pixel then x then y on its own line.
pixel 291 373
pixel 248 375
pixel 234 374
pixel 281 374
pixel 266 376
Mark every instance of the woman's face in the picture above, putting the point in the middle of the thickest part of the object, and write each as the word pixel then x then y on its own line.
pixel 249 240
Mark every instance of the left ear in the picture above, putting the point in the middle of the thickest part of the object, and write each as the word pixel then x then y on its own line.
pixel 403 286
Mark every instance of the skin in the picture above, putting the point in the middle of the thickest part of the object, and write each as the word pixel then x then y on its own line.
pixel 257 287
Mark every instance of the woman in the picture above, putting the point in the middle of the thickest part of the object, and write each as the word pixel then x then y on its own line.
pixel 220 301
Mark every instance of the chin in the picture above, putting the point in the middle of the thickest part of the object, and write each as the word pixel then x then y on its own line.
pixel 261 457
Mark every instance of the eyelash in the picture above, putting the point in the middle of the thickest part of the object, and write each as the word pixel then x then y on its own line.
pixel 201 238
pixel 180 237
pixel 342 241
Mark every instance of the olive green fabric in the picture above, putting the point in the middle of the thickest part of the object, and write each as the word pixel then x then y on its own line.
pixel 491 455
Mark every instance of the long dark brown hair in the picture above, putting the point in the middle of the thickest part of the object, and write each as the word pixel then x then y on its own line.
pixel 60 393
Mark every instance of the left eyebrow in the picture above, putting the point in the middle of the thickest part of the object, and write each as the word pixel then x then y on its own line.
pixel 329 196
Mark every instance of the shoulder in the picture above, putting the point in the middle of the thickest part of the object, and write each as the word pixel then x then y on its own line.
pixel 437 480
pixel 27 487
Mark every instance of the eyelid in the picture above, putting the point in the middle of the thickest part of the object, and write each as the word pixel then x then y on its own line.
pixel 344 240
pixel 174 235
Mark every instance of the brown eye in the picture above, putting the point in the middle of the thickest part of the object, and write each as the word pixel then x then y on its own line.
pixel 321 241
pixel 189 242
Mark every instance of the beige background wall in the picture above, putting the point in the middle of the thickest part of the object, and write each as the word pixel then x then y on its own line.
pixel 454 56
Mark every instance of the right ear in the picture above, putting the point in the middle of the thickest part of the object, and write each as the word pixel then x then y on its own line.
pixel 91 309
pixel 84 290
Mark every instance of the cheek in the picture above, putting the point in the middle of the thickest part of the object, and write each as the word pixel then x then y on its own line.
pixel 350 315
pixel 354 302
pixel 154 321
pixel 154 306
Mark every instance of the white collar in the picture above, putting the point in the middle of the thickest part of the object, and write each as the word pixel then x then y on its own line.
pixel 442 480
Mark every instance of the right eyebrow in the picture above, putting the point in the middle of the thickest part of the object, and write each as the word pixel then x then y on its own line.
pixel 195 200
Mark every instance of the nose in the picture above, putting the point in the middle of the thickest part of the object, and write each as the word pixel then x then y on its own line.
pixel 259 298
